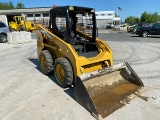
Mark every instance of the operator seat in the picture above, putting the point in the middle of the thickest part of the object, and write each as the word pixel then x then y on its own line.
pixel 73 41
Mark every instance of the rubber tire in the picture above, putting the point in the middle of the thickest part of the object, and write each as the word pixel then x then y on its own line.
pixel 22 29
pixel 3 38
pixel 67 70
pixel 49 62
pixel 145 32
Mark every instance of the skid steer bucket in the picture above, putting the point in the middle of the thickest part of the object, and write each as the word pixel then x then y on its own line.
pixel 103 92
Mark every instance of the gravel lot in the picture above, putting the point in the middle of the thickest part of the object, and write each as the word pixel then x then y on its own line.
pixel 26 94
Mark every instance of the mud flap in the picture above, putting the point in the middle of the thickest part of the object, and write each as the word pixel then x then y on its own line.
pixel 103 92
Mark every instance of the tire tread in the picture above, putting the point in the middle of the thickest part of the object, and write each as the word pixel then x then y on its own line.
pixel 68 71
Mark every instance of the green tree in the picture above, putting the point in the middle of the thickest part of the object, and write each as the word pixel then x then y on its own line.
pixel 6 6
pixel 136 19
pixel 155 17
pixel 158 19
pixel 150 17
pixel 131 19
pixel 144 17
pixel 11 6
pixel 20 5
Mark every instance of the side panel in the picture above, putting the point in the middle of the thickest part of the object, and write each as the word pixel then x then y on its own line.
pixel 103 46
pixel 59 47
pixel 40 44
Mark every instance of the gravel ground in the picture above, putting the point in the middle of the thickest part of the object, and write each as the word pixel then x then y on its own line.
pixel 26 94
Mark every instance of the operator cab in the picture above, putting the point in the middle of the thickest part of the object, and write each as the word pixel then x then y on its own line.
pixel 70 24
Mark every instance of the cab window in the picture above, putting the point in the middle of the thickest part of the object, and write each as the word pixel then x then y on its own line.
pixel 2 25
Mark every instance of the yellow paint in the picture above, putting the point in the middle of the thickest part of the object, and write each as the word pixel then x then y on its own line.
pixel 60 73
pixel 19 21
pixel 43 62
pixel 80 64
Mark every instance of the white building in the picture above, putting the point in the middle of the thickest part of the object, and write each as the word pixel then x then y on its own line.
pixel 41 15
pixel 106 17
pixel 32 14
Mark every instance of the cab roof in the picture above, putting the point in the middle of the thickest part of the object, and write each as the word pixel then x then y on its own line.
pixel 76 8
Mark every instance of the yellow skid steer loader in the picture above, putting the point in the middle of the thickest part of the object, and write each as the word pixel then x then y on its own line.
pixel 20 24
pixel 77 57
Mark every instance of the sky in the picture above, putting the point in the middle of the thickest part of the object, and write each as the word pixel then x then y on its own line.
pixel 129 7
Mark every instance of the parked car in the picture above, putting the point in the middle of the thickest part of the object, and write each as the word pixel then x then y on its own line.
pixel 109 26
pixel 3 32
pixel 150 30
pixel 129 28
pixel 120 27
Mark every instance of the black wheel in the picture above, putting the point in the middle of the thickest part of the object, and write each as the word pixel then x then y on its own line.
pixel 63 72
pixel 145 34
pixel 22 29
pixel 3 38
pixel 46 62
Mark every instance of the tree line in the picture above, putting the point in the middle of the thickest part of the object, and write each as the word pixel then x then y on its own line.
pixel 9 5
pixel 145 17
